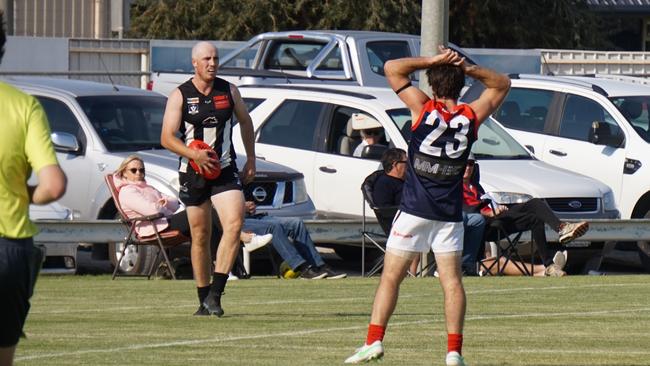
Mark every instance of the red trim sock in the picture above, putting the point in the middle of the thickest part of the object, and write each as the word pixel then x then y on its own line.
pixel 375 333
pixel 455 343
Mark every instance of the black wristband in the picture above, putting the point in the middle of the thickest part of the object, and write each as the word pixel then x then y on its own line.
pixel 405 86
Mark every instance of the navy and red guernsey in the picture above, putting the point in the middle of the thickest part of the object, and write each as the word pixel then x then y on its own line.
pixel 440 144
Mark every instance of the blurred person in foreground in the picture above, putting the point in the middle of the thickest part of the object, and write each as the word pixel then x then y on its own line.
pixel 25 147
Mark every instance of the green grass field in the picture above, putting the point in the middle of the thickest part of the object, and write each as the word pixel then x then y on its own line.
pixel 577 320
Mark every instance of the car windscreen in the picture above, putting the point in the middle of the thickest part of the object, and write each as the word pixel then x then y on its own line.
pixel 402 119
pixel 635 110
pixel 493 141
pixel 126 123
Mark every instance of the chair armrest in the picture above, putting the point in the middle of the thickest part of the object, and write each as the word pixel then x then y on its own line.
pixel 145 218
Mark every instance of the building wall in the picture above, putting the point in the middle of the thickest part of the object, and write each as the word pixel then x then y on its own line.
pixel 65 18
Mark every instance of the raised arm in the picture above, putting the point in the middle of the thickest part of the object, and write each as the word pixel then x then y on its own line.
pixel 398 71
pixel 171 125
pixel 247 134
pixel 497 86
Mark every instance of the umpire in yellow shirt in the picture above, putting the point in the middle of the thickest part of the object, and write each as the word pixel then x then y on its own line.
pixel 25 146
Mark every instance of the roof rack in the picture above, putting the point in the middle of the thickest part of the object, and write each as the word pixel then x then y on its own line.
pixel 625 78
pixel 310 88
pixel 563 79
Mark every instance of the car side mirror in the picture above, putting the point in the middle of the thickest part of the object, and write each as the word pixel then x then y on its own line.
pixel 601 134
pixel 373 152
pixel 65 142
pixel 530 148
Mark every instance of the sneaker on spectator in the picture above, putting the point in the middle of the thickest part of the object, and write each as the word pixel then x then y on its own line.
pixel 554 270
pixel 232 277
pixel 331 273
pixel 454 359
pixel 560 258
pixel 367 352
pixel 572 230
pixel 312 274
pixel 258 241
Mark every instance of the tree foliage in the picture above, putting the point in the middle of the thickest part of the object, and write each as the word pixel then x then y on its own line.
pixel 240 20
pixel 472 23
pixel 524 24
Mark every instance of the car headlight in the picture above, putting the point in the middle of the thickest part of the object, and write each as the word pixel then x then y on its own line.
pixel 509 198
pixel 609 204
pixel 300 191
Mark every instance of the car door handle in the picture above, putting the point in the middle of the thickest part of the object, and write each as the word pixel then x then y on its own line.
pixel 558 153
pixel 327 170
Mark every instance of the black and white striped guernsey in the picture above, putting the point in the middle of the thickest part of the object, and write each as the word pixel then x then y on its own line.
pixel 208 118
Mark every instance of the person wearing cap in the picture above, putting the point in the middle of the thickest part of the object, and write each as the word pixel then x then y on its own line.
pixel 370 129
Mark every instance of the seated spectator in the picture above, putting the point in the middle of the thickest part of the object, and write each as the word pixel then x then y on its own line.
pixel 531 215
pixel 299 252
pixel 387 190
pixel 137 198
pixel 368 137
pixel 371 131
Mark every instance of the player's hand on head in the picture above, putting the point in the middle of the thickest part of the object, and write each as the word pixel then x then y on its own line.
pixel 449 56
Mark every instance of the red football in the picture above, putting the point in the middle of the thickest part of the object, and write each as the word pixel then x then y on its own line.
pixel 207 174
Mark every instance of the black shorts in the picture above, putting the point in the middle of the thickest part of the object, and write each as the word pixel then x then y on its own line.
pixel 195 189
pixel 20 262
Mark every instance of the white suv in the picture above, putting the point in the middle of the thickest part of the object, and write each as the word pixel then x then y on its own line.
pixel 95 126
pixel 310 129
pixel 596 126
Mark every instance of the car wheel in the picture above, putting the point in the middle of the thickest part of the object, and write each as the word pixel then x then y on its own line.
pixel 137 259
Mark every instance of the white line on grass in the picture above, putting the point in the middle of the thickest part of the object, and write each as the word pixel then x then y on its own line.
pixel 324 300
pixel 311 331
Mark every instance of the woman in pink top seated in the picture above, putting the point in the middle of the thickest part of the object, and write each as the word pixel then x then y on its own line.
pixel 138 198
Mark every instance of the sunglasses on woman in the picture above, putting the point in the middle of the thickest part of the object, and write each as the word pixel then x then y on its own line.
pixel 135 170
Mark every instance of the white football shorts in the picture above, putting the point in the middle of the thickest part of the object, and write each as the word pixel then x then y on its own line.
pixel 416 234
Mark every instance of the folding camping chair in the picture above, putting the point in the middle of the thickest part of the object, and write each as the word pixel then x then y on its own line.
pixel 162 240
pixel 505 244
pixel 384 217
pixel 498 231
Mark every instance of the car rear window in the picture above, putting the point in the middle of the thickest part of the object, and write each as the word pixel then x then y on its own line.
pixel 381 51
pixel 293 55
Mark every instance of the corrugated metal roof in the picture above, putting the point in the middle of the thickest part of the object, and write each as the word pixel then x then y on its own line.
pixel 640 7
